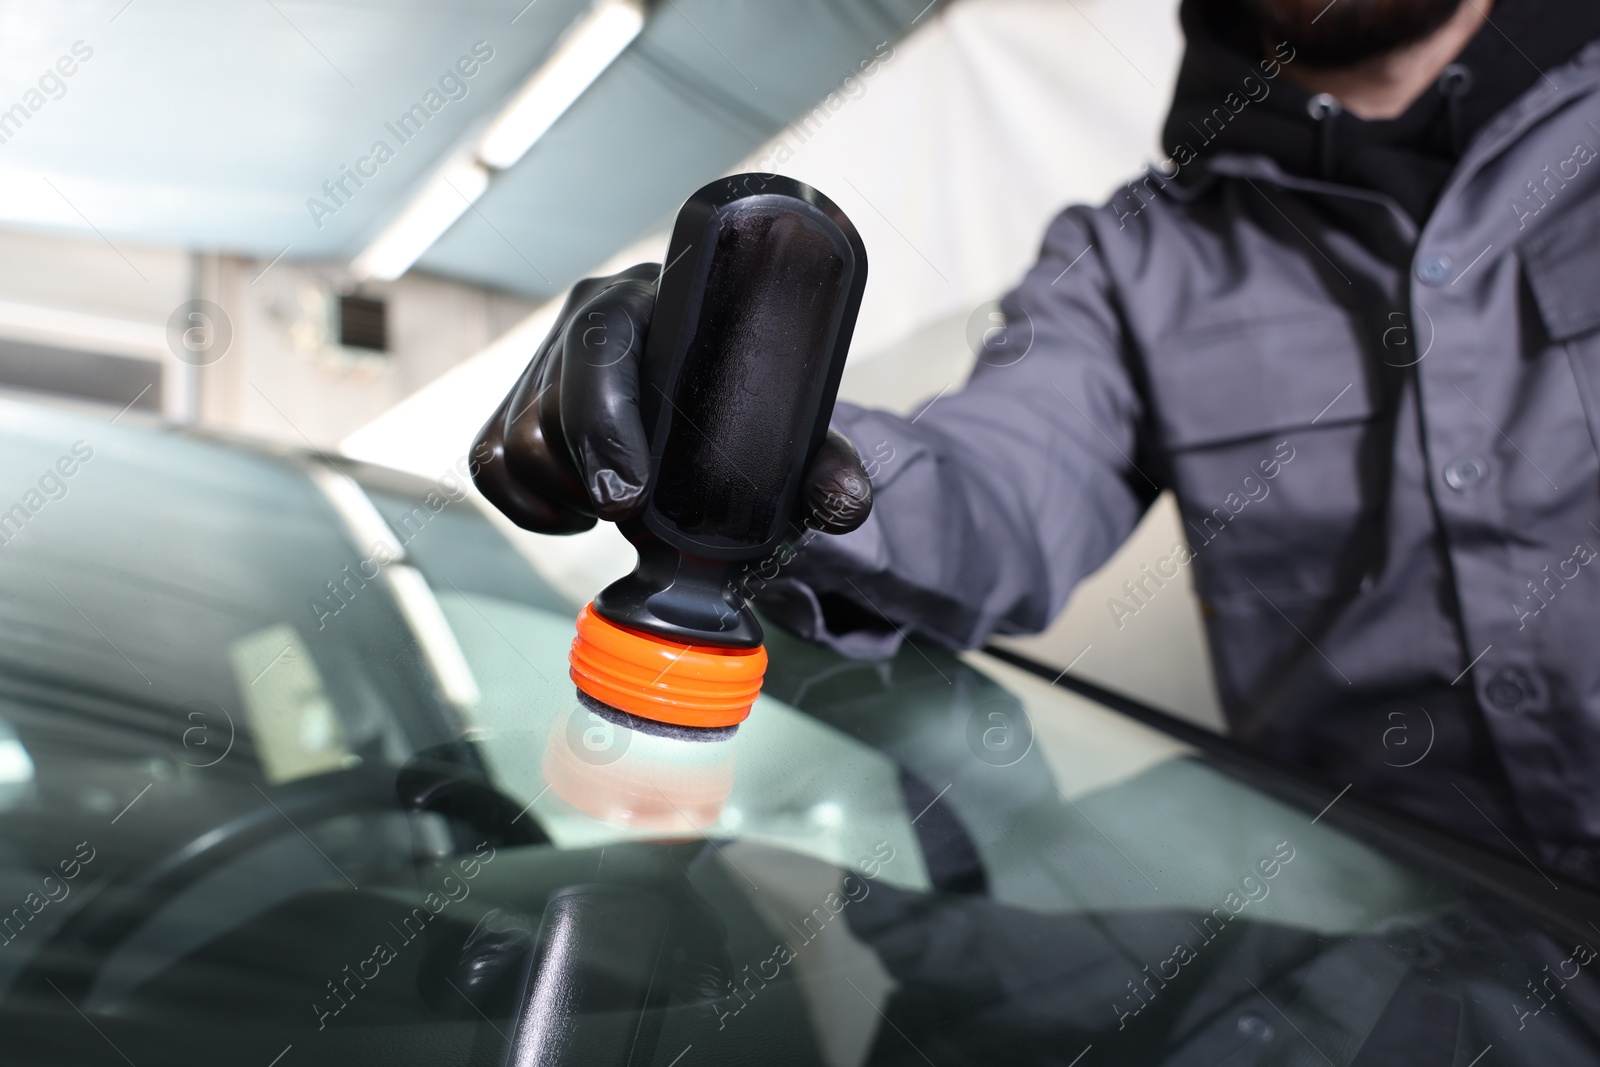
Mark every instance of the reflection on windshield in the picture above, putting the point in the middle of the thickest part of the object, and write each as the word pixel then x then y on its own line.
pixel 630 778
pixel 239 829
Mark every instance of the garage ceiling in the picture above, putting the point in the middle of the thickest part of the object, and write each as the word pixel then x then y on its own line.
pixel 210 125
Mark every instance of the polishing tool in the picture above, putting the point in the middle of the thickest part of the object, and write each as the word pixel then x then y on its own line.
pixel 754 310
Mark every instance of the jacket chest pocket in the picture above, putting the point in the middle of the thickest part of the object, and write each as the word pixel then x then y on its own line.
pixel 1277 450
pixel 1226 384
pixel 1562 266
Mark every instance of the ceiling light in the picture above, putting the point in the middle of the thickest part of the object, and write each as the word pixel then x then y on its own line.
pixel 444 199
pixel 582 54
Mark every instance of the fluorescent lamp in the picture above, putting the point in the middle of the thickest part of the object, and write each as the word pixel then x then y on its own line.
pixel 444 199
pixel 582 54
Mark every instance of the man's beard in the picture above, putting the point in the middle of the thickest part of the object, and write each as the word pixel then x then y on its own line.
pixel 1345 32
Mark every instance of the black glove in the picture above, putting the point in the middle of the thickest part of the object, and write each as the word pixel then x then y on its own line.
pixel 568 445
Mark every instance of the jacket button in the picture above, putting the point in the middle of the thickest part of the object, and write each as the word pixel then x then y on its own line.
pixel 1434 270
pixel 1463 474
pixel 1509 688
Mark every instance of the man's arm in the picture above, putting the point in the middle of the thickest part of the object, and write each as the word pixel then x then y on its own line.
pixel 990 505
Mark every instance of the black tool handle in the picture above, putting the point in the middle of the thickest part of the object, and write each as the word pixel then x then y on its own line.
pixel 755 308
pixel 754 311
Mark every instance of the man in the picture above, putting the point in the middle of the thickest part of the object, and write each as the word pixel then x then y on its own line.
pixel 1352 322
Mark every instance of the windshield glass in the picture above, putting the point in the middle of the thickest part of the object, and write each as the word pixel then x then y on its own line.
pixel 291 772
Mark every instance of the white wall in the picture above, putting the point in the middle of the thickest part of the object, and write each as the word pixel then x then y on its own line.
pixel 282 378
pixel 955 152
pixel 287 379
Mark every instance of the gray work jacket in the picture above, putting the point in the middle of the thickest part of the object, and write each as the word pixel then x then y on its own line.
pixel 1384 449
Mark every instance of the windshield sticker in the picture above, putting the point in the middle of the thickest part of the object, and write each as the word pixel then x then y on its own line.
pixel 293 722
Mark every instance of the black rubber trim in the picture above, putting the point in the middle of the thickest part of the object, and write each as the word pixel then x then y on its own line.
pixel 1552 897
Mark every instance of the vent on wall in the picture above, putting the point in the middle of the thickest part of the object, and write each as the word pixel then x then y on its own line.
pixel 363 323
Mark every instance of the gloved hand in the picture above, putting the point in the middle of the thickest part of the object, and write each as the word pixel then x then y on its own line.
pixel 567 445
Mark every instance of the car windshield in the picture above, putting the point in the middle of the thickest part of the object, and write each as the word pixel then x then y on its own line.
pixel 291 772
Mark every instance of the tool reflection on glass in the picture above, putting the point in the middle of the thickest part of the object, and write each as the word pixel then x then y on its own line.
pixel 638 779
pixel 755 307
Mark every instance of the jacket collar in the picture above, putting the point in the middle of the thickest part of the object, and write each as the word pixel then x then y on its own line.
pixel 1558 87
pixel 1229 103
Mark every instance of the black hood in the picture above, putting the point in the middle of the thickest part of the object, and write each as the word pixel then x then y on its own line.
pixel 1232 96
